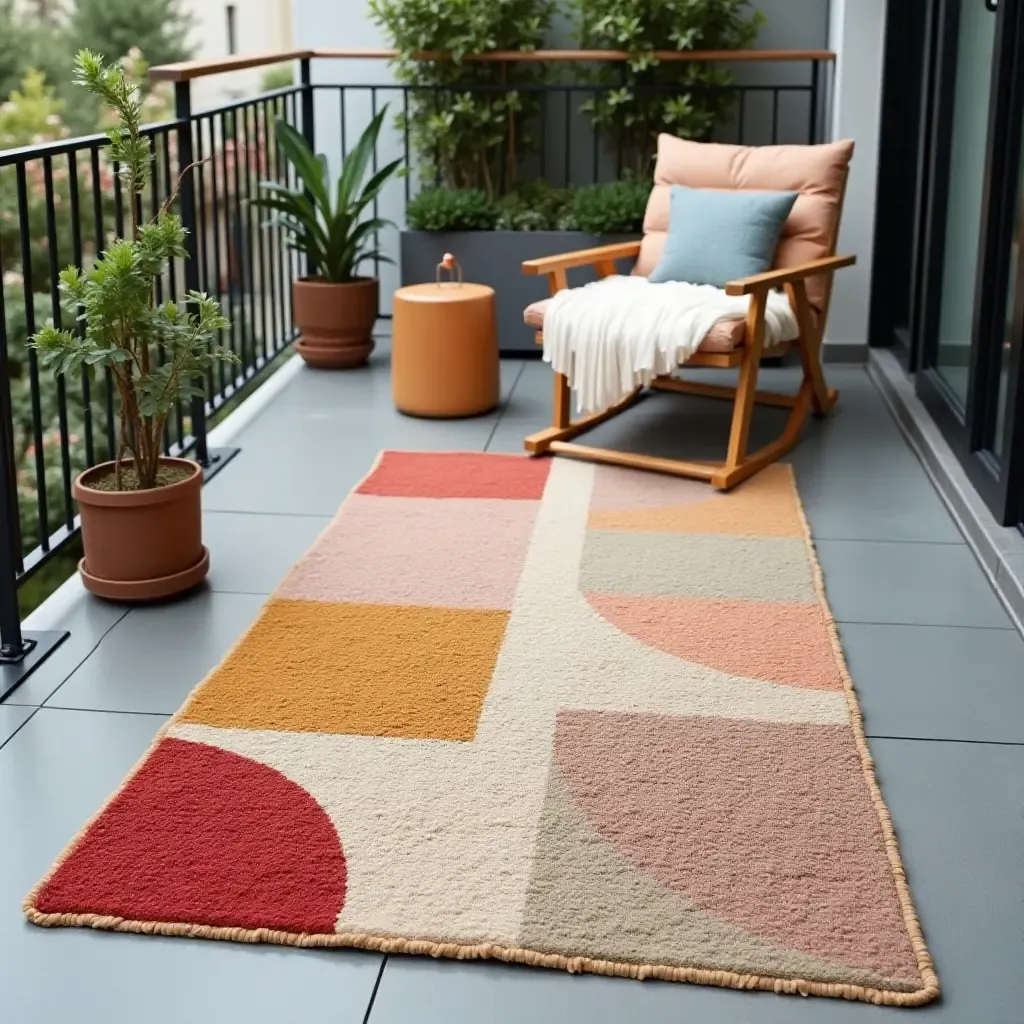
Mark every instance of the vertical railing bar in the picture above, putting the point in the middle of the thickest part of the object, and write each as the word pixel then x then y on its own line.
pixel 55 312
pixel 187 204
pixel 8 482
pixel 342 118
pixel 308 128
pixel 204 254
pixel 172 271
pixel 101 245
pixel 407 177
pixel 239 244
pixel 544 95
pixel 566 142
pixel 33 364
pixel 229 256
pixel 775 117
pixel 284 255
pixel 287 254
pixel 741 116
pixel 76 255
pixel 252 239
pixel 12 642
pixel 158 281
pixel 215 217
pixel 437 144
pixel 376 208
pixel 812 129
pixel 267 233
pixel 595 156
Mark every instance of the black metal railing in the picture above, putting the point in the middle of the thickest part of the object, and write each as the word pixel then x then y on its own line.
pixel 61 203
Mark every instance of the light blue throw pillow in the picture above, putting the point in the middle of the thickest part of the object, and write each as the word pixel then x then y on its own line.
pixel 716 236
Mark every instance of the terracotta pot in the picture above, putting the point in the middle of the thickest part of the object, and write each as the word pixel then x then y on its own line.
pixel 142 545
pixel 335 321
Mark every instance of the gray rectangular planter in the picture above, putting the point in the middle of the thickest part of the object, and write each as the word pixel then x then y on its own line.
pixel 494 258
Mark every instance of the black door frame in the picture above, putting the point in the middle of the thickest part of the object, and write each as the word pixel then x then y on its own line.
pixel 968 427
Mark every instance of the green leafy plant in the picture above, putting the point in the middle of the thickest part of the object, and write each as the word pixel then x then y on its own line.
pixel 611 208
pixel 333 232
pixel 534 206
pixel 452 209
pixel 157 354
pixel 648 95
pixel 468 121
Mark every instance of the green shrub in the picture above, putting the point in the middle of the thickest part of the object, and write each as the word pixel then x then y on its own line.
pixel 452 209
pixel 280 76
pixel 612 208
pixel 651 96
pixel 465 137
pixel 534 207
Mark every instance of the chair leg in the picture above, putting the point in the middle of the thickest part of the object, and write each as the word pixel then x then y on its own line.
pixel 823 398
pixel 562 401
pixel 746 389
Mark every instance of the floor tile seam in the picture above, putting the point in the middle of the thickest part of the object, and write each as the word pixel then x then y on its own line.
pixel 882 540
pixel 92 650
pixel 108 711
pixel 503 408
pixel 35 710
pixel 289 515
pixel 947 739
pixel 934 625
pixel 376 986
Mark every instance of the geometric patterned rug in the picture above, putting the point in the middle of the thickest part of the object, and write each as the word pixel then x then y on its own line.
pixel 539 710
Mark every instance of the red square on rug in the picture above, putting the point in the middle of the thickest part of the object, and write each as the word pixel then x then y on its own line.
pixel 457 475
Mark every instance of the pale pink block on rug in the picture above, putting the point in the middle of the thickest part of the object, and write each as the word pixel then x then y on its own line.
pixel 450 553
pixel 785 642
pixel 767 825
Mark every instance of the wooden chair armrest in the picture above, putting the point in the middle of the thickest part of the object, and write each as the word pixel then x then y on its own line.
pixel 786 275
pixel 581 258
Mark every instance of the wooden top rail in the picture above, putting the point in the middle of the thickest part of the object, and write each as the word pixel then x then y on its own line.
pixel 189 69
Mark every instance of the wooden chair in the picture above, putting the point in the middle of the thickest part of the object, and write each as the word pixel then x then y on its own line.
pixel 805 261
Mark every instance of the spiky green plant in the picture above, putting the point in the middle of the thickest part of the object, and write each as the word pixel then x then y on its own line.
pixel 333 232
pixel 124 328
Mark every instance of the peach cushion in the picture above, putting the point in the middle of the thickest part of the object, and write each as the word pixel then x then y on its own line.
pixel 724 336
pixel 818 173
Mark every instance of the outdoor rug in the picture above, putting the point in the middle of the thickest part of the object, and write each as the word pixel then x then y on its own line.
pixel 562 714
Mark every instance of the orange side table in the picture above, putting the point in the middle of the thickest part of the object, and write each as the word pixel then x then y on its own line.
pixel 444 350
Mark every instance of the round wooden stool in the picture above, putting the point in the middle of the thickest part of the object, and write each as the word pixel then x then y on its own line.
pixel 444 350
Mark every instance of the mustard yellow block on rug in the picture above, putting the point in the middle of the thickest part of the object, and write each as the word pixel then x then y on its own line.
pixel 368 669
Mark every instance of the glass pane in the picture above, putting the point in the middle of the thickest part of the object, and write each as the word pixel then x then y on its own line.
pixel 975 46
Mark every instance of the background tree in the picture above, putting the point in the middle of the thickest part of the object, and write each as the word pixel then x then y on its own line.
pixel 158 28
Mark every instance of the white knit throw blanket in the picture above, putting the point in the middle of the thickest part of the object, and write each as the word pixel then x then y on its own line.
pixel 620 332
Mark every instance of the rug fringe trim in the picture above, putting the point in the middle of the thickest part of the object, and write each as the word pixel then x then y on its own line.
pixel 925 964
pixel 485 951
pixel 531 957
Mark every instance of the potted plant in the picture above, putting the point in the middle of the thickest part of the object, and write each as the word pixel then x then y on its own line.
pixel 141 517
pixel 334 308
pixel 493 237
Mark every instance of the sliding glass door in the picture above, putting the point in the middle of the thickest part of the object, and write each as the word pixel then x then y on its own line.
pixel 967 336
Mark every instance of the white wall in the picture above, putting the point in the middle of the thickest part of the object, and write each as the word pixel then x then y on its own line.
pixel 261 26
pixel 857 32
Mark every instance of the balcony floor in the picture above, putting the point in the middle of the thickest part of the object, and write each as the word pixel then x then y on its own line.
pixel 937 662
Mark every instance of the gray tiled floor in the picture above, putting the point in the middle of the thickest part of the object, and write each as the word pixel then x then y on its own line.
pixel 939 668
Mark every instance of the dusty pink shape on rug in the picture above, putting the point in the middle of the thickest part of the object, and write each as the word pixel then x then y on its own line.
pixel 617 489
pixel 793 644
pixel 760 823
pixel 454 553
